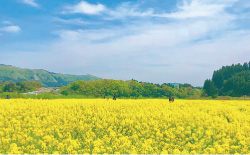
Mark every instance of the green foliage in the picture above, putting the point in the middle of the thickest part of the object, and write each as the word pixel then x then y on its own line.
pixel 210 89
pixel 12 95
pixel 238 85
pixel 233 80
pixel 21 87
pixel 65 92
pixel 126 89
pixel 48 79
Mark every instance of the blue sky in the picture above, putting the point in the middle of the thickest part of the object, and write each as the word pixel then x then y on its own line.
pixel 148 40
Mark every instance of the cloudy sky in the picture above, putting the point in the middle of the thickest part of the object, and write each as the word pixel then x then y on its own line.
pixel 148 40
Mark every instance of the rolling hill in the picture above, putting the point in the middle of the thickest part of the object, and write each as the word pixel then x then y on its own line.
pixel 48 79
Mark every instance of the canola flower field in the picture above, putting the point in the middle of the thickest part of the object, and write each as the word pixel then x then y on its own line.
pixel 98 126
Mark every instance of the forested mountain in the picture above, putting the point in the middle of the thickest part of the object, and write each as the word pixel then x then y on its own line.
pixel 231 80
pixel 48 79
pixel 130 88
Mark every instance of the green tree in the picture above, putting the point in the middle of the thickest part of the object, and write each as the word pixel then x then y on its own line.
pixel 238 85
pixel 210 88
pixel 245 66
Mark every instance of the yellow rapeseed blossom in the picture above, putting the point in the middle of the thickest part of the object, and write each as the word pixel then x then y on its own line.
pixel 97 126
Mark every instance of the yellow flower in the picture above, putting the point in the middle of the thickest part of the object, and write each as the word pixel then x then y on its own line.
pixel 56 152
pixel 124 127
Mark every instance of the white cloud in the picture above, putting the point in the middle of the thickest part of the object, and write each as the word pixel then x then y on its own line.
pixel 75 21
pixel 126 10
pixel 196 9
pixel 7 22
pixel 188 9
pixel 30 2
pixel 88 36
pixel 11 29
pixel 149 52
pixel 85 8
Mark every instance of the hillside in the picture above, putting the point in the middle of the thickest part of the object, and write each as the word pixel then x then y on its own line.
pixel 48 79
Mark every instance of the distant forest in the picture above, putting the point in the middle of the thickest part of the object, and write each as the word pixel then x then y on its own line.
pixel 130 88
pixel 231 80
pixel 108 88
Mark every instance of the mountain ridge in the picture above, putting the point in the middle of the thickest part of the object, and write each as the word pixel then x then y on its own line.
pixel 47 78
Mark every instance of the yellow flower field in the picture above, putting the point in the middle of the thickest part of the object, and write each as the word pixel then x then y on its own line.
pixel 97 126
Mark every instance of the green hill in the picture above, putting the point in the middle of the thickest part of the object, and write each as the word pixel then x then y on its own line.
pixel 48 79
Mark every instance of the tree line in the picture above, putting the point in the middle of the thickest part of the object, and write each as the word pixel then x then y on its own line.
pixel 231 80
pixel 130 88
pixel 20 87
